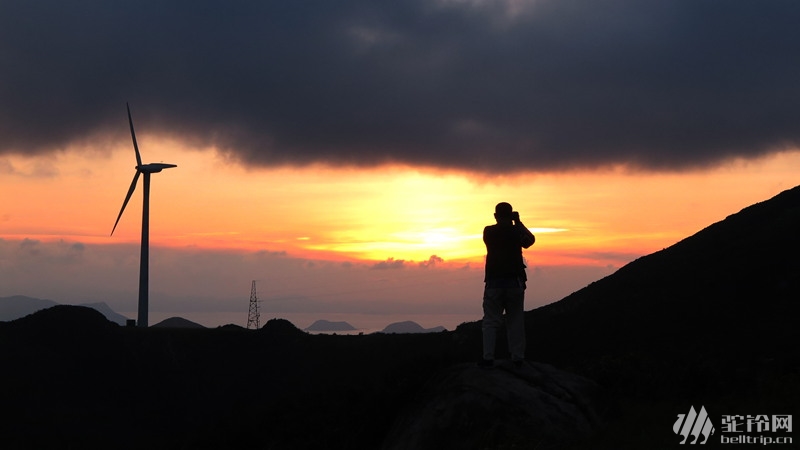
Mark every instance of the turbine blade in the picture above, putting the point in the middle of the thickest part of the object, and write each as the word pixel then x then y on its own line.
pixel 133 136
pixel 127 197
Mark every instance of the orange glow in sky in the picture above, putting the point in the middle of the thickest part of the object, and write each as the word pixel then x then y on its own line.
pixel 319 237
pixel 598 217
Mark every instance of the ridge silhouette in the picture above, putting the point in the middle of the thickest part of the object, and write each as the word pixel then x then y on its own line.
pixel 731 287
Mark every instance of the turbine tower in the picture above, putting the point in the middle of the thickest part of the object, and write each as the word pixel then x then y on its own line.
pixel 146 170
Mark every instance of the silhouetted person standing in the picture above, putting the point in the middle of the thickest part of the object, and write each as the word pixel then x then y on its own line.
pixel 505 283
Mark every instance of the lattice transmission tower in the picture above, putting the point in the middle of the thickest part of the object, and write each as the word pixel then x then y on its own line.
pixel 252 312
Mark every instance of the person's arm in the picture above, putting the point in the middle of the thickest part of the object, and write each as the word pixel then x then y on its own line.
pixel 526 238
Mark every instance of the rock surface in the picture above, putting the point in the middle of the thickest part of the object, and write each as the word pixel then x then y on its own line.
pixel 467 407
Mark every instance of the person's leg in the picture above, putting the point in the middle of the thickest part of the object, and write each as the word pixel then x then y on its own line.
pixel 492 320
pixel 515 323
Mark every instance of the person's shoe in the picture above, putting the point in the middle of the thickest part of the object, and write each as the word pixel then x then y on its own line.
pixel 486 363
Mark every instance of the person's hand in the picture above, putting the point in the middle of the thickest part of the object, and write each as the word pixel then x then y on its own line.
pixel 515 216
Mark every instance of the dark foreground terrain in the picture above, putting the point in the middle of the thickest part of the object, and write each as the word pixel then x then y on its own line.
pixel 710 321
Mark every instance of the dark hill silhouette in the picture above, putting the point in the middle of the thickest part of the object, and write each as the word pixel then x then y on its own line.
pixel 709 321
pixel 280 328
pixel 409 326
pixel 177 322
pixel 63 319
pixel 721 293
pixel 751 255
pixel 14 307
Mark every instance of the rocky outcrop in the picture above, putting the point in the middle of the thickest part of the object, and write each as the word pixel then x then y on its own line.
pixel 467 407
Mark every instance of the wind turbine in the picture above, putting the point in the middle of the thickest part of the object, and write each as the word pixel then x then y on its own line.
pixel 144 271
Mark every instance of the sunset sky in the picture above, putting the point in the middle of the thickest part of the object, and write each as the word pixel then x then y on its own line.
pixel 347 155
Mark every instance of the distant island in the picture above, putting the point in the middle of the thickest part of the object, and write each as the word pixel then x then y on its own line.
pixel 326 325
pixel 410 327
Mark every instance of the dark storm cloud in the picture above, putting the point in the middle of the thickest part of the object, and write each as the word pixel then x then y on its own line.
pixel 478 85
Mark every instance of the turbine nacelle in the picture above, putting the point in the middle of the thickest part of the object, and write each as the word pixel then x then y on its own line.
pixel 154 167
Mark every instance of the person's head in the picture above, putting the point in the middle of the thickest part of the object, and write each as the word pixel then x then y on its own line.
pixel 503 212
